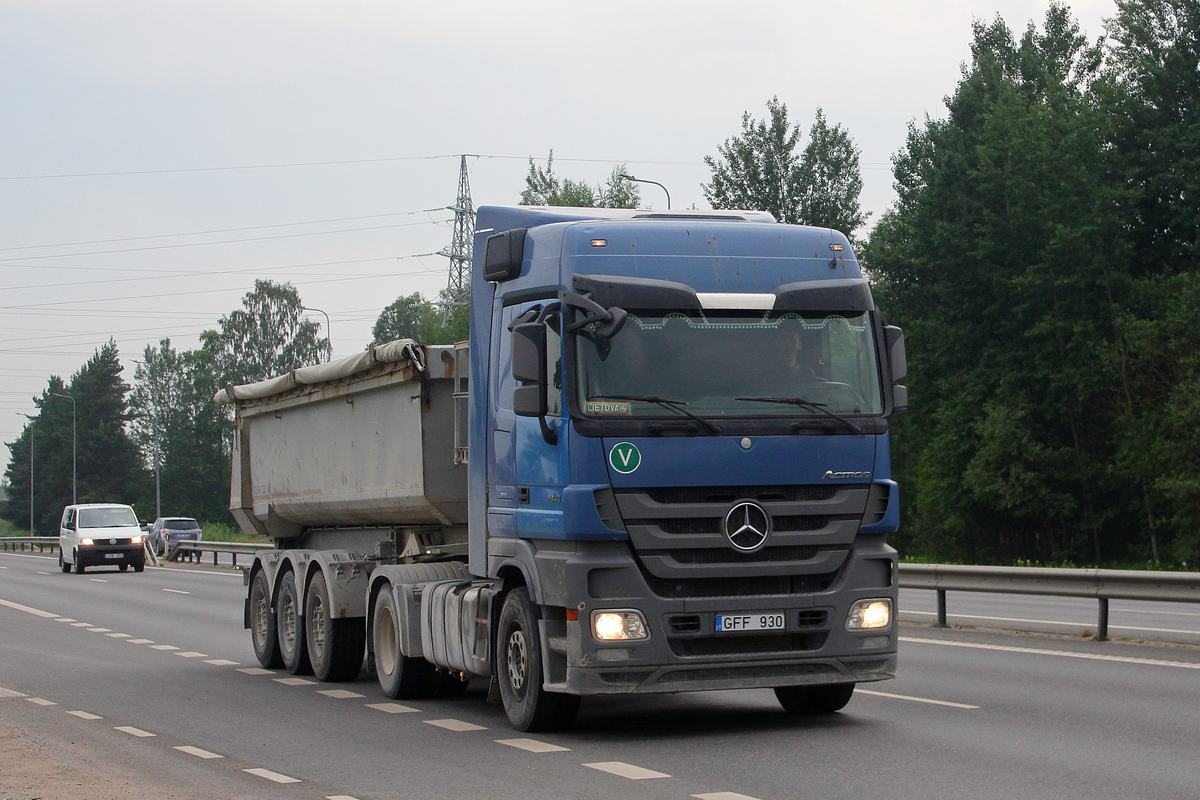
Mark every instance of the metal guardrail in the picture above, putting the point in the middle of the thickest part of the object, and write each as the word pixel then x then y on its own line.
pixel 198 549
pixel 21 542
pixel 1101 584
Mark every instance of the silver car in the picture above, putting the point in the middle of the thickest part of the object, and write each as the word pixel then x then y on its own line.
pixel 166 532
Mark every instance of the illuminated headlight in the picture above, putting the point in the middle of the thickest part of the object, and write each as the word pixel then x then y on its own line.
pixel 137 540
pixel 868 615
pixel 86 541
pixel 612 626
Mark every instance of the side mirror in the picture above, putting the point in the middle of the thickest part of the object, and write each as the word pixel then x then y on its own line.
pixel 529 367
pixel 895 344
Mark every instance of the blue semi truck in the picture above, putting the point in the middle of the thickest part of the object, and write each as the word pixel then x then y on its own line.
pixel 660 464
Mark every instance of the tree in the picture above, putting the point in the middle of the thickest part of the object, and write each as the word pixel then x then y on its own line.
pixel 1003 261
pixel 94 455
pixel 414 317
pixel 268 336
pixel 761 170
pixel 180 428
pixel 544 188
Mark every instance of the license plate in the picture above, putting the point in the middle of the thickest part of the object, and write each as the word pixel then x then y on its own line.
pixel 114 555
pixel 757 621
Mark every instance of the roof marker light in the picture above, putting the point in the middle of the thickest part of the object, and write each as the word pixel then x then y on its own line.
pixel 599 242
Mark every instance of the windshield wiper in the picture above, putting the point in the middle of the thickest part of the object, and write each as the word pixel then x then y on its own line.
pixel 672 405
pixel 809 404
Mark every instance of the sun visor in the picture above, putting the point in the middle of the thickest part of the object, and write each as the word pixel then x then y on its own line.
pixel 626 292
pixel 853 294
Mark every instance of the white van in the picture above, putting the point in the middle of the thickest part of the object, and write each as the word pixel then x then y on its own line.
pixel 100 533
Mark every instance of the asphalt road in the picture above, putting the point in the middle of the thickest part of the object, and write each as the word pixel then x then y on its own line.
pixel 974 715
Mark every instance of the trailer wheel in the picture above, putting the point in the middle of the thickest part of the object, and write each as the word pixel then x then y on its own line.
pixel 528 705
pixel 821 699
pixel 289 627
pixel 262 623
pixel 400 676
pixel 335 646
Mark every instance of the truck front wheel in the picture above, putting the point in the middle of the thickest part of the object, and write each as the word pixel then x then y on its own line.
pixel 289 627
pixel 335 646
pixel 400 676
pixel 528 705
pixel 262 623
pixel 820 699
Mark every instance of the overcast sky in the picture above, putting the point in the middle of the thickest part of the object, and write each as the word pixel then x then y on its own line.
pixel 157 157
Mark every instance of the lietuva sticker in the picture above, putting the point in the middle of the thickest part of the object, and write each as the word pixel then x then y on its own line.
pixel 597 407
pixel 624 458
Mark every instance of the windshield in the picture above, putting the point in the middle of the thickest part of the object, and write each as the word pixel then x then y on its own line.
pixel 107 518
pixel 180 524
pixel 731 364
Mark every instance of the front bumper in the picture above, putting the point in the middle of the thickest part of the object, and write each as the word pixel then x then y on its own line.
pixel 98 555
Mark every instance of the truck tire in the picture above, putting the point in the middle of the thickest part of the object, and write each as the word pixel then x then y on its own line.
pixel 528 705
pixel 335 646
pixel 262 623
pixel 820 699
pixel 400 676
pixel 289 627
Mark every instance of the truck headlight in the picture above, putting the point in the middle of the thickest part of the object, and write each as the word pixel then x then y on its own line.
pixel 869 615
pixel 611 626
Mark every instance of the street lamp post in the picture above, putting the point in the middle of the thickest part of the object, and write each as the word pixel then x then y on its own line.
pixel 656 183
pixel 31 430
pixel 74 450
pixel 328 332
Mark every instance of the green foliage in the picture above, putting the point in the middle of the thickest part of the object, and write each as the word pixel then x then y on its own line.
pixel 1053 362
pixel 228 532
pixel 268 336
pixel 544 188
pixel 761 170
pixel 414 317
pixel 94 454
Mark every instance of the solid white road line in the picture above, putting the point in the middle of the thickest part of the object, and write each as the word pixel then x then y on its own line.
pixel 1060 653
pixel 621 769
pixel 914 699
pixel 18 607
pixel 176 591
pixel 723 796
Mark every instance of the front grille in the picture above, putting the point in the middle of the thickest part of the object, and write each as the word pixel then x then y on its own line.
pixel 717 555
pixel 782 524
pixel 740 587
pixel 676 495
pixel 757 644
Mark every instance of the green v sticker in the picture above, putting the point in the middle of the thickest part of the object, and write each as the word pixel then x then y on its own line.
pixel 624 458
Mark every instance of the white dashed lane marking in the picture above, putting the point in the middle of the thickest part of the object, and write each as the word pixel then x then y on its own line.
pixel 41 701
pixel 454 725
pixel 197 752
pixel 118 635
pixel 917 699
pixel 723 796
pixel 140 641
pixel 220 662
pixel 391 708
pixel 340 694
pixel 84 715
pixel 271 776
pixel 256 671
pixel 191 654
pixel 294 681
pixel 132 731
pixel 533 745
pixel 99 630
pixel 164 647
pixel 176 591
pixel 623 770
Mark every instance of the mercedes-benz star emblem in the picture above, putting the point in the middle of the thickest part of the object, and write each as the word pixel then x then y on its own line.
pixel 747 526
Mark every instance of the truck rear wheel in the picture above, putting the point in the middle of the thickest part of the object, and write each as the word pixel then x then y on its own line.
pixel 400 676
pixel 289 627
pixel 528 705
pixel 262 623
pixel 820 699
pixel 335 646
